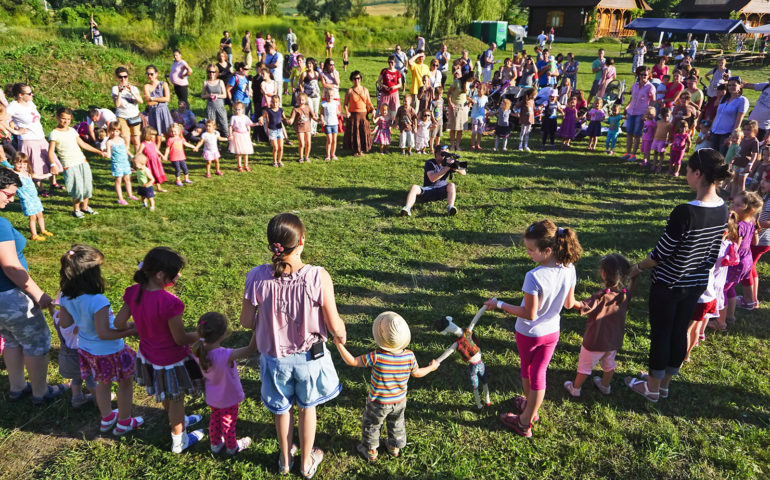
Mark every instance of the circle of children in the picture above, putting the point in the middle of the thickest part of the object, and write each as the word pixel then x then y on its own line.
pixel 662 112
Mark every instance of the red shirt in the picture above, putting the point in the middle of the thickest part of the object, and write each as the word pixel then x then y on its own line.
pixel 672 91
pixel 390 79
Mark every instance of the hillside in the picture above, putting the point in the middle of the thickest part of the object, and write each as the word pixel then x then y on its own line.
pixel 373 7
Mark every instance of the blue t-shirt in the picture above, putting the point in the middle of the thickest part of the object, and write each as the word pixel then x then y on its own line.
pixel 10 234
pixel 542 79
pixel 479 105
pixel 726 114
pixel 82 308
pixel 432 166
pixel 614 122
pixel 240 86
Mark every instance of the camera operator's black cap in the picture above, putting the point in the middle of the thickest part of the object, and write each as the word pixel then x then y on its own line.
pixel 441 148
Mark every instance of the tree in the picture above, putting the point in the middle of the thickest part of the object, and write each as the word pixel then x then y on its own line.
pixel 262 7
pixel 316 10
pixel 663 8
pixel 191 17
pixel 439 18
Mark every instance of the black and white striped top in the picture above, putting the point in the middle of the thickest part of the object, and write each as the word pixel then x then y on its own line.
pixel 689 246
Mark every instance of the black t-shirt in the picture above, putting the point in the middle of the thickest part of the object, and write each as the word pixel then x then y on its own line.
pixel 228 45
pixel 432 166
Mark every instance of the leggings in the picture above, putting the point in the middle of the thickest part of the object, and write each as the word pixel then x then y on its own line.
pixel 222 426
pixel 756 252
pixel 181 92
pixel 612 140
pixel 670 312
pixel 524 138
pixel 535 354
pixel 548 129
pixel 180 166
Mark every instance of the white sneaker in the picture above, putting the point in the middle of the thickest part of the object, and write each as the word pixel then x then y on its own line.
pixel 598 383
pixel 575 392
pixel 405 212
pixel 526 149
pixel 521 149
pixel 243 444
pixel 188 440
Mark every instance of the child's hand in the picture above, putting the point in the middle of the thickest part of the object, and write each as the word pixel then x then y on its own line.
pixel 491 303
pixel 338 341
pixel 433 366
pixel 195 149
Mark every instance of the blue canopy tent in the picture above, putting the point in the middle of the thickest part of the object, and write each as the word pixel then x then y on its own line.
pixel 690 26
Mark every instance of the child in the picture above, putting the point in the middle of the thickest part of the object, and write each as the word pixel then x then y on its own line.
pixel 164 365
pixel 240 139
pixel 69 360
pixel 330 123
pixel 759 170
pixel 273 117
pixel 547 288
pixel 605 326
pixel 146 181
pixel 31 206
pixel 503 127
pixel 259 42
pixel 175 153
pixel 648 132
pixel 437 109
pixel 661 87
pixel 478 115
pixel 551 110
pixel 660 139
pixel 149 148
pixel 382 129
pixel 120 169
pixel 223 386
pixel 614 129
pixel 595 116
pixel 747 155
pixel 209 140
pixel 422 133
pixel 345 58
pixel 526 118
pixel 406 118
pixel 704 136
pixel 300 118
pixel 392 365
pixel 565 92
pixel 424 94
pixel 568 123
pixel 680 143
pixel 733 145
pixel 102 351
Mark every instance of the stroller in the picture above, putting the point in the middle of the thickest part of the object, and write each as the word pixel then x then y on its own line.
pixel 614 93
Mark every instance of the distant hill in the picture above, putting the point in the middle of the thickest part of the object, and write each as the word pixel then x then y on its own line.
pixel 373 7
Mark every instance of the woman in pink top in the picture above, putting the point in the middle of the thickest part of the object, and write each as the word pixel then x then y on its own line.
pixel 180 71
pixel 660 69
pixel 291 306
pixel 608 74
pixel 164 365
pixel 642 96
pixel 259 43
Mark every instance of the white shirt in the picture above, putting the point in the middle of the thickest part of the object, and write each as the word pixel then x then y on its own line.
pixel 329 111
pixel 210 142
pixel 127 106
pixel 542 38
pixel 105 117
pixel 26 116
pixel 550 285
pixel 435 78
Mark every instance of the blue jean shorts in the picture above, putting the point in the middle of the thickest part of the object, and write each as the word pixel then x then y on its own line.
pixel 329 129
pixel 634 125
pixel 276 134
pixel 297 378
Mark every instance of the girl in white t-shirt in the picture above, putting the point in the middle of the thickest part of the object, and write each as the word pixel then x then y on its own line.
pixel 330 110
pixel 547 288
pixel 209 140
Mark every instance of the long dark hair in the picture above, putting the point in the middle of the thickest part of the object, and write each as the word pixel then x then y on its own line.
pixel 711 165
pixel 9 178
pixel 159 259
pixel 284 233
pixel 81 271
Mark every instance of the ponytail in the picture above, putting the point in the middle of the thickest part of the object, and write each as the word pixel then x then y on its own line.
pixel 199 350
pixel 212 327
pixel 563 242
pixel 158 260
pixel 284 235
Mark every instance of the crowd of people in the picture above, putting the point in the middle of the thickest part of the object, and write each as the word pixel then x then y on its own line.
pixel 706 250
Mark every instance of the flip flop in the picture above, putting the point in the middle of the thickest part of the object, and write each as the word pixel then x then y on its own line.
pixel 16 396
pixel 317 456
pixel 53 393
pixel 520 403
pixel 513 422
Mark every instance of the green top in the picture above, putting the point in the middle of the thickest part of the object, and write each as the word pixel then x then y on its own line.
pixel 67 148
pixel 459 94
pixel 144 176
pixel 598 63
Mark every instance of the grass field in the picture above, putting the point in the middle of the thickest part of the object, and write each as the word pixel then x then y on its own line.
pixel 714 426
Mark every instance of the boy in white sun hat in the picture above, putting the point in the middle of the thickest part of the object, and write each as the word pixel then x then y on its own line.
pixel 392 365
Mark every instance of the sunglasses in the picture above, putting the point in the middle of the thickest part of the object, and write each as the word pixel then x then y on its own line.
pixel 28 93
pixel 122 76
pixel 150 74
pixel 356 78
pixel 213 71
pixel 9 196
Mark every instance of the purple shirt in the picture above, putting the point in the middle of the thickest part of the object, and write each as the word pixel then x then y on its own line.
pixel 640 98
pixel 223 385
pixel 289 316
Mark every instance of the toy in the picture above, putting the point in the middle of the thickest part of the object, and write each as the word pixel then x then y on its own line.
pixel 468 348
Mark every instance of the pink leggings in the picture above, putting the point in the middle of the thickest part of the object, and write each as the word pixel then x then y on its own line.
pixel 756 252
pixel 535 354
pixel 222 424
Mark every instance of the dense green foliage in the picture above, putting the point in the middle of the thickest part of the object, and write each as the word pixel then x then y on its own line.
pixel 446 17
pixel 333 10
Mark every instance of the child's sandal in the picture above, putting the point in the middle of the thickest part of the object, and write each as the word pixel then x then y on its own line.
pixel 368 455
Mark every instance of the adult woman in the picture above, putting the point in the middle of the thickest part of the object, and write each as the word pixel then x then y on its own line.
pixel 23 113
pixel 356 105
pixel 213 91
pixel 660 69
pixel 608 74
pixel 527 78
pixel 434 73
pixel 389 83
pixel 717 76
pixel 224 68
pixel 571 69
pixel 157 95
pixel 329 41
pixel 22 324
pixel 286 293
pixel 680 265
pixel 730 113
pixel 639 53
pixel 308 81
pixel 642 96
pixel 127 98
pixel 330 81
pixel 179 76
pixel 508 72
pixel 239 88
pixel 457 99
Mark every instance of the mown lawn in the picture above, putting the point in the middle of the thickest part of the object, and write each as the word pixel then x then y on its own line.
pixel 714 426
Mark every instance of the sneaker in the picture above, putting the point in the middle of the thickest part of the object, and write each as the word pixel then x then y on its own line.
pixel 90 211
pixel 188 440
pixel 328 159
pixel 109 421
pixel 144 203
pixel 242 444
pixel 451 211
pixel 78 214
pixel 598 384
pixel 575 392
pixel 152 208
pixel 179 184
pixel 80 400
pixel 217 449
pixel 367 454
pixel 219 172
pixel 526 149
pixel 393 451
pixel 406 212
pixel 625 157
pixel 190 181
pixel 190 420
pixel 631 158
pixel 676 174
pixel 134 423
pixel 208 175
pixel 521 149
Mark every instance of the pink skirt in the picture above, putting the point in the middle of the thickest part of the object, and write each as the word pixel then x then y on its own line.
pixel 37 151
pixel 211 156
pixel 241 144
pixel 108 368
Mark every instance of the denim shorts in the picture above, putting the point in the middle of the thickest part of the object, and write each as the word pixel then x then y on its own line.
pixel 634 125
pixel 297 378
pixel 329 129
pixel 276 134
pixel 22 324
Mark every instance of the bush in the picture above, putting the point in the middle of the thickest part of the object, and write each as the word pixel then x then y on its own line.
pixel 23 12
pixel 607 40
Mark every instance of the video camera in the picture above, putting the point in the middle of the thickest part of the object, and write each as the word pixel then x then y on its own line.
pixel 452 160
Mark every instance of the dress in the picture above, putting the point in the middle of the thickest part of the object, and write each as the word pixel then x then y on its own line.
pixel 119 165
pixel 30 202
pixel 567 129
pixel 422 134
pixel 241 142
pixel 677 148
pixel 595 125
pixel 383 132
pixel 159 116
pixel 215 109
pixel 154 162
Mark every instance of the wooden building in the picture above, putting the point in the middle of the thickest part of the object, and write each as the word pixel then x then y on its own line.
pixel 568 17
pixel 754 13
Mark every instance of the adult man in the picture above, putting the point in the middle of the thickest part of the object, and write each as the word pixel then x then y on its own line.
pixel 246 48
pixel 488 63
pixel 465 62
pixel 401 60
pixel 596 67
pixel 98 118
pixel 693 47
pixel 420 41
pixel 274 61
pixel 291 39
pixel 761 112
pixel 434 184
pixel 542 69
pixel 226 45
pixel 417 69
pixel 542 38
pixel 443 58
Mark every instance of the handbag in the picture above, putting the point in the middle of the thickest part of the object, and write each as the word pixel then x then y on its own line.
pixel 132 122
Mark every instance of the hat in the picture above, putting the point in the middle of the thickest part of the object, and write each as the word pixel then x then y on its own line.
pixel 390 332
pixel 551 58
pixel 441 148
pixel 553 93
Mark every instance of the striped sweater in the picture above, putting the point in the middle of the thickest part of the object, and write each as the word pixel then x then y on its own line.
pixel 390 374
pixel 690 244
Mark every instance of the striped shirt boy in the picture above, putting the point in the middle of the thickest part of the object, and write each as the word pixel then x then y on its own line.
pixel 390 374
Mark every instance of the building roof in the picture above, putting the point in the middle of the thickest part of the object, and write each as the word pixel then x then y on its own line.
pixel 723 6
pixel 622 4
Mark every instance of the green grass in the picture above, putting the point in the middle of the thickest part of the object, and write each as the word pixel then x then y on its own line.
pixel 714 426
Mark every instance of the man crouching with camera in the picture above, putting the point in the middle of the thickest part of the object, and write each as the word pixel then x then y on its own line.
pixel 434 184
